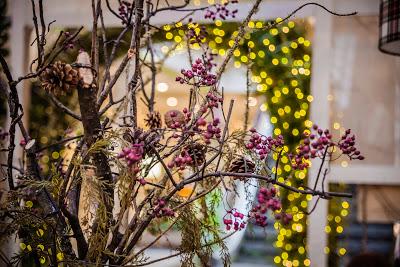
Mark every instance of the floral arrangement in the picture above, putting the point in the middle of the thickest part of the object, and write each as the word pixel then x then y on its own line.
pixel 94 207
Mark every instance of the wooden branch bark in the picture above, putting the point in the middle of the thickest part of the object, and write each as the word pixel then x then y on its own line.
pixel 93 132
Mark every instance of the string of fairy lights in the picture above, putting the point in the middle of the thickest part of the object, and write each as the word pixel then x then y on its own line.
pixel 280 61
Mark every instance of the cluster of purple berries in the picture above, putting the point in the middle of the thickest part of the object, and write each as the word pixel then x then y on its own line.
pixel 234 218
pixel 221 11
pixel 70 44
pixel 196 37
pixel 212 131
pixel 200 73
pixel 187 114
pixel 313 145
pixel 132 154
pixel 181 161
pixel 160 209
pixel 316 145
pixel 213 101
pixel 267 200
pixel 124 11
pixel 263 145
pixel 347 145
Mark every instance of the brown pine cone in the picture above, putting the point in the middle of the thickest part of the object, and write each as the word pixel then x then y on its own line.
pixel 242 165
pixel 174 119
pixel 153 120
pixel 197 152
pixel 59 78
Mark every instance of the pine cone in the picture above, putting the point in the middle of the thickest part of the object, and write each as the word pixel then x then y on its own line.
pixel 242 165
pixel 59 78
pixel 174 119
pixel 153 120
pixel 197 152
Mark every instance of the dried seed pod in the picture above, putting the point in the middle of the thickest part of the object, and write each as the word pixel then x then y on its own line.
pixel 59 78
pixel 174 119
pixel 153 120
pixel 242 165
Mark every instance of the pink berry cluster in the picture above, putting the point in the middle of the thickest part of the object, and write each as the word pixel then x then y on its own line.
pixel 212 130
pixel 132 154
pixel 181 161
pixel 262 145
pixel 187 114
pixel 313 145
pixel 213 101
pixel 234 218
pixel 124 11
pixel 161 210
pixel 199 74
pixel 347 146
pixel 221 11
pixel 316 144
pixel 267 200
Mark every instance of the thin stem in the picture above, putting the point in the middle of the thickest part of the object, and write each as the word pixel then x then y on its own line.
pixel 246 114
pixel 325 195
pixel 320 168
